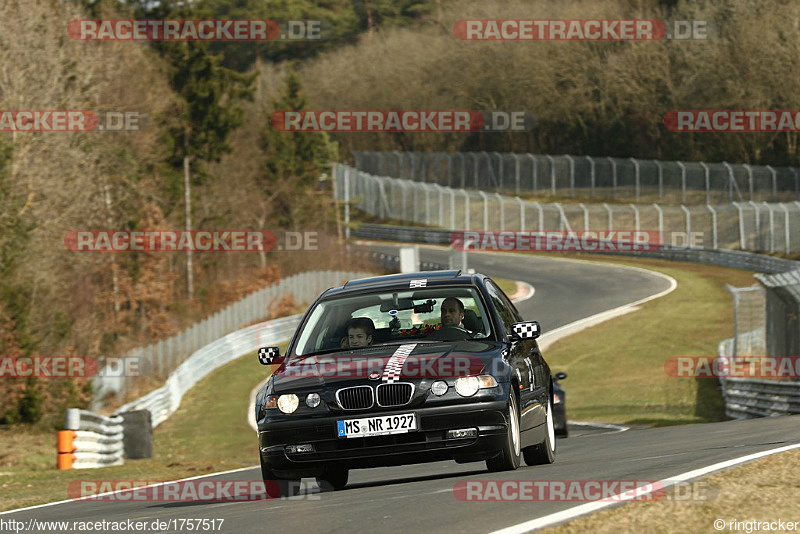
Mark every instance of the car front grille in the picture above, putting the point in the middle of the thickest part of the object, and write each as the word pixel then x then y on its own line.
pixel 355 398
pixel 395 394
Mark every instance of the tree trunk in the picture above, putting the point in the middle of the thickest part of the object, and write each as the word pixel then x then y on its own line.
pixel 114 273
pixel 187 196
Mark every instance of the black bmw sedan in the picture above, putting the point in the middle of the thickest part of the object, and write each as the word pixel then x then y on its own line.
pixel 402 369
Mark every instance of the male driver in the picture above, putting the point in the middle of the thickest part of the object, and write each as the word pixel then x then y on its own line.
pixel 359 332
pixel 452 312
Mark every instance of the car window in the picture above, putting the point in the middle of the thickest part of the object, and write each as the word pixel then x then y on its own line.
pixel 504 307
pixel 396 316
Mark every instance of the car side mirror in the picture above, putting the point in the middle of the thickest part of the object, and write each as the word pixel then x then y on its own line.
pixel 526 330
pixel 561 375
pixel 270 356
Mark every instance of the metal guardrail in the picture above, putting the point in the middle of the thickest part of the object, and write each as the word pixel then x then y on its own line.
pixel 727 258
pixel 90 441
pixel 164 401
pixel 628 179
pixel 748 398
pixel 744 398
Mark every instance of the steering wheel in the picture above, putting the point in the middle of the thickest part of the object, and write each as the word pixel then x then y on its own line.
pixel 450 332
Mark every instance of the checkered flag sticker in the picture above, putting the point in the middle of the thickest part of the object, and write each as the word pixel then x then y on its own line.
pixel 526 330
pixel 418 283
pixel 266 355
pixel 394 367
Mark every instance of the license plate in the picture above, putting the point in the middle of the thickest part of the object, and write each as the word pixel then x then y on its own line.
pixel 376 426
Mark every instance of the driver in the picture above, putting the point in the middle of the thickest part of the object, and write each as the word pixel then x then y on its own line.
pixel 452 312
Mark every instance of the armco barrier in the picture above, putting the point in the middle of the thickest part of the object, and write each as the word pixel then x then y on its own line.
pixel 726 258
pixel 90 440
pixel 744 398
pixel 163 402
pixel 747 398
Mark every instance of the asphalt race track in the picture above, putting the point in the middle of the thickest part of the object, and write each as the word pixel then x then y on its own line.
pixel 420 497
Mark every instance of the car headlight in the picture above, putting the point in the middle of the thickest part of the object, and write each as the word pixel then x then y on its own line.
pixel 468 386
pixel 288 403
pixel 313 400
pixel 439 388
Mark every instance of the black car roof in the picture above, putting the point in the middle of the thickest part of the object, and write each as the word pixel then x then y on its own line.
pixel 402 281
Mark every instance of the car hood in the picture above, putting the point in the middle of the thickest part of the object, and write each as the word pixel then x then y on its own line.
pixel 410 361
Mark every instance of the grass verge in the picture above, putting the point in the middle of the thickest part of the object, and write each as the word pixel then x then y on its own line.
pixel 208 433
pixel 616 369
pixel 763 490
pixel 620 362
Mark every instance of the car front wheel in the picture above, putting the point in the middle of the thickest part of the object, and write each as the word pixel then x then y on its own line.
pixel 544 452
pixel 509 457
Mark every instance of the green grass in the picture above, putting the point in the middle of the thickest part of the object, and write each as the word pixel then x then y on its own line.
pixel 616 369
pixel 208 433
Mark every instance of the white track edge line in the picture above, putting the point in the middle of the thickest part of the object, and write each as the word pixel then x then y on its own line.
pixel 588 508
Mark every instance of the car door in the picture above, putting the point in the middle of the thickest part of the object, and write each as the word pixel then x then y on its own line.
pixel 521 356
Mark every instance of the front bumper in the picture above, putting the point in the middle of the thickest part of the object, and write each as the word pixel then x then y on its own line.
pixel 427 444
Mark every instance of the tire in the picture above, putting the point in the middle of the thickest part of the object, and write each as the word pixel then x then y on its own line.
pixel 333 480
pixel 544 452
pixel 509 457
pixel 278 487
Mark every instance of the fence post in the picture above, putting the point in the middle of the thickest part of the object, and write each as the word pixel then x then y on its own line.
pixel 516 172
pixel 453 209
pixel 660 180
pixel 786 228
pixel 585 217
pixel 660 222
pixel 502 211
pixel 688 223
pixel 774 183
pixel 613 178
pixel 571 175
pixel 636 177
pixel 466 209
pixel 541 215
pixel 500 169
pixel 563 221
pixel 534 172
pixel 683 180
pixel 521 214
pixel 771 227
pixel 610 216
pixel 475 168
pixel 463 169
pixel 713 224
pixel 635 217
pixel 591 172
pixel 742 243
pixel 749 179
pixel 708 182
pixel 552 174
pixel 485 210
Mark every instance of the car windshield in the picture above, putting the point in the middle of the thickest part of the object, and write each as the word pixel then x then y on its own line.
pixel 419 315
